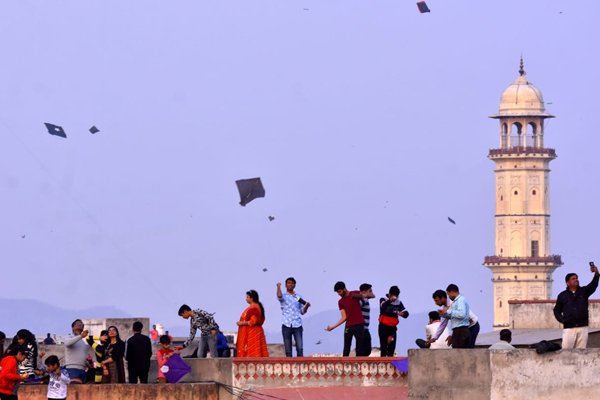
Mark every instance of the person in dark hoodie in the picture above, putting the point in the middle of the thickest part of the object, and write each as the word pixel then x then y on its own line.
pixel 390 309
pixel 571 310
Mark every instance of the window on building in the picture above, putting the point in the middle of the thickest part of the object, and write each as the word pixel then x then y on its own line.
pixel 535 248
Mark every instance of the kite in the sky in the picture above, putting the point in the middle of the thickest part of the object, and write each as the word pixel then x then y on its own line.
pixel 271 218
pixel 93 129
pixel 250 189
pixel 264 269
pixel 451 220
pixel 423 7
pixel 55 130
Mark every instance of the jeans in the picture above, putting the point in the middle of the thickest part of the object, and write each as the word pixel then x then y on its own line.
pixel 209 341
pixel 358 332
pixel 461 337
pixel 287 333
pixel 387 345
pixel 76 375
pixel 367 343
pixel 474 332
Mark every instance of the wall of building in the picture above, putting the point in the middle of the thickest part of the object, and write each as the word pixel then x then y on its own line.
pixel 189 391
pixel 539 314
pixel 124 325
pixel 494 375
pixel 350 376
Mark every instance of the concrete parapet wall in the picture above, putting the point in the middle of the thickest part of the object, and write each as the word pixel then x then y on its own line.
pixel 495 375
pixel 275 372
pixel 539 314
pixel 188 391
pixel 449 374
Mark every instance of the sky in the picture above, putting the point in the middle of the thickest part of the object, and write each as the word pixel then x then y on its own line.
pixel 366 120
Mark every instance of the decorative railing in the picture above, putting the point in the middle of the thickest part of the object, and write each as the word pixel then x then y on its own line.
pixel 556 259
pixel 316 371
pixel 521 150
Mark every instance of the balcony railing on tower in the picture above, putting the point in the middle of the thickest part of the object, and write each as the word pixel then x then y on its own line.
pixel 555 259
pixel 523 150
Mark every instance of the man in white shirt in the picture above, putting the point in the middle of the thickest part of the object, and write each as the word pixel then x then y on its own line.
pixel 432 328
pixel 430 331
pixel 504 343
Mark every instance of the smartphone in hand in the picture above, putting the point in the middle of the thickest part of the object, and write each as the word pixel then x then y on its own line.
pixel 592 266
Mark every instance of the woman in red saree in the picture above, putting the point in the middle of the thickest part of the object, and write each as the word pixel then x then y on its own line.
pixel 251 341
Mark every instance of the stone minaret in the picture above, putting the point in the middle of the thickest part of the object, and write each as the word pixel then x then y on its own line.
pixel 522 266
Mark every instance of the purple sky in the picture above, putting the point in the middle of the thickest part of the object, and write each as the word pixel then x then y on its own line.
pixel 366 120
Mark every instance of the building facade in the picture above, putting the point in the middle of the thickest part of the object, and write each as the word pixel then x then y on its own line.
pixel 523 264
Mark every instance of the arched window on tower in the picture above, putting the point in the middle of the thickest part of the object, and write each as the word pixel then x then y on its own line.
pixel 532 135
pixel 504 136
pixel 516 138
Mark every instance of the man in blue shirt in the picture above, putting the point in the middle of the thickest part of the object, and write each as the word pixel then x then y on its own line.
pixel 458 314
pixel 292 309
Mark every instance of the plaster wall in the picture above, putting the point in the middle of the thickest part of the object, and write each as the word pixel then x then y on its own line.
pixel 494 375
pixel 189 391
pixel 540 315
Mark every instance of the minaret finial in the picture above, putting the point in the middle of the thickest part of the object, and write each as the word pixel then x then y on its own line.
pixel 521 67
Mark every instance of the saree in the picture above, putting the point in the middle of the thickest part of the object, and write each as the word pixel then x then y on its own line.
pixel 251 341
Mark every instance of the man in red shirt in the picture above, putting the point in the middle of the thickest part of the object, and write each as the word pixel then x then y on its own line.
pixel 154 336
pixel 351 314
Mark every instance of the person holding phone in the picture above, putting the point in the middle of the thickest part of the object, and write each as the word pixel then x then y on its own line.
pixel 293 306
pixel 572 309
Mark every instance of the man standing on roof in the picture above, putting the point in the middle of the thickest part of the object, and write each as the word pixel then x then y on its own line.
pixel 200 319
pixel 440 298
pixel 458 315
pixel 76 352
pixel 351 314
pixel 571 310
pixel 293 306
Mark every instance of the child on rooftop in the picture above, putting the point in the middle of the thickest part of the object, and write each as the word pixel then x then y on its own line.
pixel 59 379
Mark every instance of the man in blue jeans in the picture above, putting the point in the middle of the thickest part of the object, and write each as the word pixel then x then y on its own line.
pixel 293 306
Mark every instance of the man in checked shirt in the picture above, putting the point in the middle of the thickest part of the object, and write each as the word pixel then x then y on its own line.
pixel 200 319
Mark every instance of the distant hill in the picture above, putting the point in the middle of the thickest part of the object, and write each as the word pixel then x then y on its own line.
pixel 332 342
pixel 41 318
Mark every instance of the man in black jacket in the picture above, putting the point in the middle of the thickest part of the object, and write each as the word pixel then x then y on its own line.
pixel 571 310
pixel 137 354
